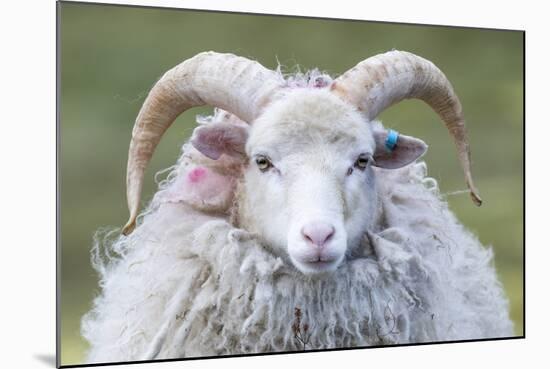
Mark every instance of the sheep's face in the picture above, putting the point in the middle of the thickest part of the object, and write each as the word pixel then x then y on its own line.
pixel 309 186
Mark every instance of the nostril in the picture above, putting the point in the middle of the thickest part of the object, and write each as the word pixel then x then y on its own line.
pixel 318 233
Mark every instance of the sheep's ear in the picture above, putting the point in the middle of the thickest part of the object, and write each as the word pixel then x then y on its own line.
pixel 215 139
pixel 395 150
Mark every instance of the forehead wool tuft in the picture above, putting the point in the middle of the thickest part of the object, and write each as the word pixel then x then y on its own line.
pixel 313 116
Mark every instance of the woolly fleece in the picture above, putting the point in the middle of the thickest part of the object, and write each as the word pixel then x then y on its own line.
pixel 188 283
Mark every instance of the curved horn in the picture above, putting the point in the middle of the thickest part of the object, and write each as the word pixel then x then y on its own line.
pixel 232 83
pixel 385 79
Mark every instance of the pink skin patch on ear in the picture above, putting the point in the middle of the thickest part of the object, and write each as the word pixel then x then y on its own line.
pixel 196 175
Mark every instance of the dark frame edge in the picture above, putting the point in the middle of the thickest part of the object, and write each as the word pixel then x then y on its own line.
pixel 58 184
pixel 524 179
pixel 290 352
pixel 285 15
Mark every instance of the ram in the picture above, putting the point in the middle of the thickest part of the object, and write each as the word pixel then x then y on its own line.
pixel 292 220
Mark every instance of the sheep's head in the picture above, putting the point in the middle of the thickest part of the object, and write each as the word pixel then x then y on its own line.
pixel 309 185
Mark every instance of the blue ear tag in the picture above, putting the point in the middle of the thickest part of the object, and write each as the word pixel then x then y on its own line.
pixel 391 140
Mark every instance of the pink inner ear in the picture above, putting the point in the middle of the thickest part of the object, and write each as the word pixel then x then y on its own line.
pixel 196 175
pixel 216 139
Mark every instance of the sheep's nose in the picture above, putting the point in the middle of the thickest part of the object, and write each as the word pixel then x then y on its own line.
pixel 318 233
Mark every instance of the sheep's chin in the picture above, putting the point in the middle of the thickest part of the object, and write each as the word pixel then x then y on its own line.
pixel 317 267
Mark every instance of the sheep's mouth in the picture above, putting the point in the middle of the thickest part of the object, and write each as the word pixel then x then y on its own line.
pixel 319 265
pixel 322 259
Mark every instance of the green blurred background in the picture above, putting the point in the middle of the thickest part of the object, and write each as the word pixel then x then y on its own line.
pixel 112 55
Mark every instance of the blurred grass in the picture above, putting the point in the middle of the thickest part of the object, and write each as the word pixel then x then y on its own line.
pixel 111 56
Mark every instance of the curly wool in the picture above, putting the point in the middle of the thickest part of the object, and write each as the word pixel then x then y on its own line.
pixel 188 283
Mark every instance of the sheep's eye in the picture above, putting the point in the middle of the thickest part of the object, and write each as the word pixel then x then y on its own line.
pixel 263 163
pixel 362 161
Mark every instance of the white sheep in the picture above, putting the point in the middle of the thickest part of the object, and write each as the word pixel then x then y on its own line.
pixel 312 227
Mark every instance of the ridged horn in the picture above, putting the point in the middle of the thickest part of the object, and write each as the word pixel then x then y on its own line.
pixel 232 83
pixel 385 79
